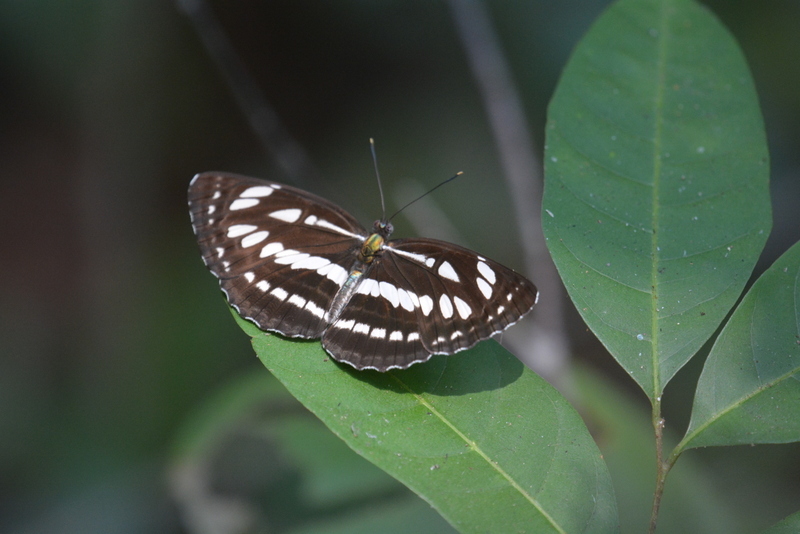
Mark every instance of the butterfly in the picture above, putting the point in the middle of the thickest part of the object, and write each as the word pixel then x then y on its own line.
pixel 296 264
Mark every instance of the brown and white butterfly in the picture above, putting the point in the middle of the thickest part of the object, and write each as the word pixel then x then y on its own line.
pixel 296 264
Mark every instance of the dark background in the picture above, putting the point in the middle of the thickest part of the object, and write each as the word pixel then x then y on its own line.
pixel 111 330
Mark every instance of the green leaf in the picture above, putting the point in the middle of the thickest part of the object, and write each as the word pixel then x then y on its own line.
pixel 485 441
pixel 790 525
pixel 286 466
pixel 749 390
pixel 656 201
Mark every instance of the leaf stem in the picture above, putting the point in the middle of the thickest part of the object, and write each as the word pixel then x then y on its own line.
pixel 662 467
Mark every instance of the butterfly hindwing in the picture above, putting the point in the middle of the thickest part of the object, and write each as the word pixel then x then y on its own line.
pixel 426 297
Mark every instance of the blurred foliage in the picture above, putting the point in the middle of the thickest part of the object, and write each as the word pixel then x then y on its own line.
pixel 113 332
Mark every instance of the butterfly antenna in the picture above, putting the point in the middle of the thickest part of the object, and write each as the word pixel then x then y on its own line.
pixel 456 175
pixel 378 175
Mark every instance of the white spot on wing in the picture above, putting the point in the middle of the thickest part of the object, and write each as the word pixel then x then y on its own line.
pixel 429 262
pixel 270 249
pixel 311 220
pixel 238 230
pixel 389 292
pixel 446 306
pixel 464 311
pixel 455 335
pixel 315 310
pixel 426 303
pixel 312 262
pixel 220 252
pixel 419 258
pixel 279 293
pixel 361 328
pixel 446 270
pixel 339 230
pixel 288 215
pixel 211 209
pixel 243 203
pixel 397 335
pixel 216 195
pixel 378 333
pixel 368 286
pixel 249 276
pixel 334 272
pixel 297 300
pixel 287 252
pixel 254 239
pixel 263 285
pixel 413 336
pixel 344 325
pixel 406 300
pixel 487 272
pixel 485 288
pixel 257 191
pixel 289 257
pixel 375 290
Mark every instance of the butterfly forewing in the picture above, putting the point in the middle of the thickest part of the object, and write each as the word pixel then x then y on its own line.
pixel 281 254
pixel 293 263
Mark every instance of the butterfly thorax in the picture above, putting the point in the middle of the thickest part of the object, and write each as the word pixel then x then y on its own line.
pixel 371 248
pixel 372 245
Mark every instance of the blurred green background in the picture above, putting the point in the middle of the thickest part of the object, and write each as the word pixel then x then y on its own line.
pixel 111 330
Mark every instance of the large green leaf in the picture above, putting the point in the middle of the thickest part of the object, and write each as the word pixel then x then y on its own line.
pixel 656 201
pixel 790 525
pixel 485 441
pixel 749 391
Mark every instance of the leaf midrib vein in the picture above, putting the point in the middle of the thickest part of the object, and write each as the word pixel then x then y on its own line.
pixel 656 212
pixel 474 446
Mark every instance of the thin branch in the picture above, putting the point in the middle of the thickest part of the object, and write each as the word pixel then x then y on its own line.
pixel 663 467
pixel 278 143
pixel 522 171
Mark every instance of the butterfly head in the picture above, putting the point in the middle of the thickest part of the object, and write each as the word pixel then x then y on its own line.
pixel 383 228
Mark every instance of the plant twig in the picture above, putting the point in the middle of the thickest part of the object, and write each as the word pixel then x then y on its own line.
pixel 663 467
pixel 522 171
pixel 289 155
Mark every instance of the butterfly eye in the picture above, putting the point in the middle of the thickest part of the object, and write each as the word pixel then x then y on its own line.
pixel 384 228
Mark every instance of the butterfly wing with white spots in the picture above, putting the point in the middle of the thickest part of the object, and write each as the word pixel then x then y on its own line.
pixel 426 297
pixel 281 254
pixel 293 263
